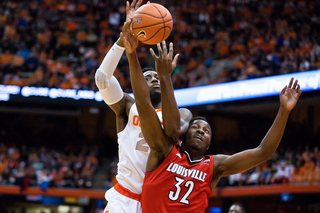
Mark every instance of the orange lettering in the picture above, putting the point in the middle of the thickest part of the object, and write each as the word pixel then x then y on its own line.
pixel 136 120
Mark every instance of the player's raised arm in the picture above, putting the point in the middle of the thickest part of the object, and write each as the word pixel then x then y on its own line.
pixel 175 121
pixel 150 123
pixel 227 165
pixel 107 84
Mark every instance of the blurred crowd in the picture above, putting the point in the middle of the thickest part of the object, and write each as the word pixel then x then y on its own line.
pixel 45 168
pixel 77 168
pixel 60 43
pixel 285 167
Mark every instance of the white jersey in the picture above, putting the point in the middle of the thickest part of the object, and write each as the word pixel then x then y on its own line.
pixel 133 153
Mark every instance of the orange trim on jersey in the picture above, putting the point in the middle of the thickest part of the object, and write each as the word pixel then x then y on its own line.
pixel 159 110
pixel 127 192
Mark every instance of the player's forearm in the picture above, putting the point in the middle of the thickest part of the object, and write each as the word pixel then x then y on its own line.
pixel 170 111
pixel 272 139
pixel 111 60
pixel 108 85
pixel 139 85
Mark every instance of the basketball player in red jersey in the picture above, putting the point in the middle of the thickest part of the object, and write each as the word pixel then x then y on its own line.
pixel 181 179
pixel 124 197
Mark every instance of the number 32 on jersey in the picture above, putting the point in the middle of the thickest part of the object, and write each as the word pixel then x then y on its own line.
pixel 175 195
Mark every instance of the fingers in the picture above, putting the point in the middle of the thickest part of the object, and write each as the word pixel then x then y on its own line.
pixel 175 60
pixel 159 50
pixel 127 8
pixel 290 83
pixel 298 90
pixel 170 50
pixel 125 27
pixel 148 2
pixel 130 26
pixel 138 4
pixel 133 4
pixel 295 84
pixel 121 36
pixel 284 90
pixel 164 47
pixel 155 57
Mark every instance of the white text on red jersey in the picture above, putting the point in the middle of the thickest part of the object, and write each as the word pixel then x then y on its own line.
pixel 181 170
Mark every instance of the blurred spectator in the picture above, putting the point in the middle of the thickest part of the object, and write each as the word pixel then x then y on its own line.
pixel 61 45
pixel 235 180
pixel 254 178
pixel 38 167
pixel 283 174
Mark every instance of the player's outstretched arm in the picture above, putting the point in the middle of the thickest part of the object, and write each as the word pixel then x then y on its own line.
pixel 175 121
pixel 107 84
pixel 227 165
pixel 152 131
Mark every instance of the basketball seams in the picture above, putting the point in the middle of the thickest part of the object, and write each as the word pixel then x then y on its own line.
pixel 152 25
pixel 148 21
pixel 164 24
pixel 147 14
pixel 157 33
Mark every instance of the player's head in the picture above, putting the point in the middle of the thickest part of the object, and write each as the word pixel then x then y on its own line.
pixel 198 136
pixel 236 208
pixel 153 82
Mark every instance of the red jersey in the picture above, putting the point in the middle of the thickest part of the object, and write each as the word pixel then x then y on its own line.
pixel 178 184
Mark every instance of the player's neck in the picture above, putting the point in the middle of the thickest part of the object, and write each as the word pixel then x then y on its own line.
pixel 194 155
pixel 155 99
pixel 156 103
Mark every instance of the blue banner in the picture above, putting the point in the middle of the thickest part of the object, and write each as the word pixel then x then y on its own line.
pixel 223 92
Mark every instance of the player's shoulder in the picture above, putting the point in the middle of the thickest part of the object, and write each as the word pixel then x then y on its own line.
pixel 129 102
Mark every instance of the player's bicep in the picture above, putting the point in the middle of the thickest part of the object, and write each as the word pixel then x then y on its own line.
pixel 239 162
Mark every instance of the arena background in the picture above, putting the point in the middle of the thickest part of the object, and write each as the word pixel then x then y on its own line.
pixel 58 149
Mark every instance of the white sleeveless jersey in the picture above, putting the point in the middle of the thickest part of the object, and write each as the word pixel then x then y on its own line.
pixel 133 153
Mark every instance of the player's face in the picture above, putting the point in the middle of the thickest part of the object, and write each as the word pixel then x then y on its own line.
pixel 153 81
pixel 198 135
pixel 235 209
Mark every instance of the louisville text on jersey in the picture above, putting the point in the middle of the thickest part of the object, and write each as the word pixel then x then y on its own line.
pixel 181 170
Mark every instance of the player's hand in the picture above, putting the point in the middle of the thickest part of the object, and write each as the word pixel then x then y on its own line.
pixel 129 40
pixel 164 63
pixel 132 8
pixel 290 95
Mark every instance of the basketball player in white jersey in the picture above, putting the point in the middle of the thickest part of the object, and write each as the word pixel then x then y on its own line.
pixel 124 197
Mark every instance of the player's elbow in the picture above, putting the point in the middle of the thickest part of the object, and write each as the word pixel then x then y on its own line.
pixel 101 79
pixel 264 154
pixel 172 131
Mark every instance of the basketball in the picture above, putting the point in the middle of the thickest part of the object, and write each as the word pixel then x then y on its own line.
pixel 152 23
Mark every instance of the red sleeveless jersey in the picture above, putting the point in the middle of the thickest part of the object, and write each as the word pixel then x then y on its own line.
pixel 178 185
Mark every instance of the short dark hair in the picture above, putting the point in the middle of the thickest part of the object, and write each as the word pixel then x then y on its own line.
pixel 200 118
pixel 241 207
pixel 148 69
